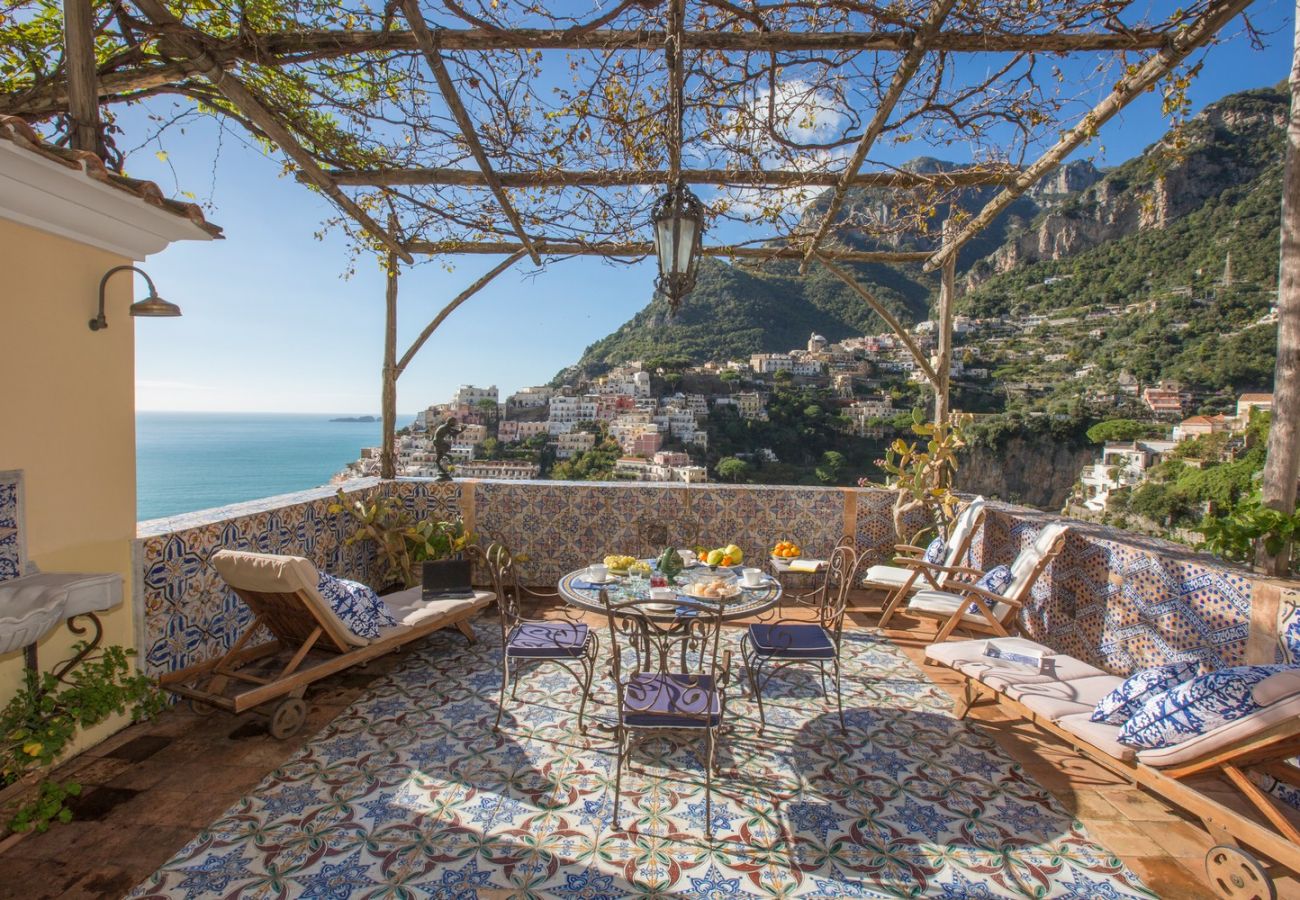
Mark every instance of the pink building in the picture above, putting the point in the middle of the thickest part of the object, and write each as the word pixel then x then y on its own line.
pixel 646 444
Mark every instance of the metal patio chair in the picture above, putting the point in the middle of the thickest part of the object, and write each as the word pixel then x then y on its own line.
pixel 786 642
pixel 571 644
pixel 675 678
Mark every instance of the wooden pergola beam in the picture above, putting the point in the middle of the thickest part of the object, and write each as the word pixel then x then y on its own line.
pixel 676 84
pixel 644 248
pixel 429 48
pixel 180 37
pixel 739 177
pixel 907 67
pixel 890 319
pixel 291 47
pixel 1132 85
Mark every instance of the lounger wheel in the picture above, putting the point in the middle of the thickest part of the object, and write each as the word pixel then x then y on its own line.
pixel 287 718
pixel 1237 875
pixel 199 708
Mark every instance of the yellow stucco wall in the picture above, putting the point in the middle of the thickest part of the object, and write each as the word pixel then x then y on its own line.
pixel 67 420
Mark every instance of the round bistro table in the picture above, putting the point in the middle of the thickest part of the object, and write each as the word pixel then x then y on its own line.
pixel 577 591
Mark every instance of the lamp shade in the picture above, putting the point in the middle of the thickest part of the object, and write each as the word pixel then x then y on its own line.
pixel 678 219
pixel 154 306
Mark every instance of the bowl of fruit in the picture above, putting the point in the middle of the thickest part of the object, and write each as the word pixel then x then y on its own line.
pixel 730 555
pixel 619 565
pixel 784 551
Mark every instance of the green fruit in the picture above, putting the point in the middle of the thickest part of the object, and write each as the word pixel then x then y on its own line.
pixel 715 557
pixel 734 552
pixel 670 562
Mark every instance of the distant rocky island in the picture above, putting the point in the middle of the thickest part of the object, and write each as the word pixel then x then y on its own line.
pixel 356 419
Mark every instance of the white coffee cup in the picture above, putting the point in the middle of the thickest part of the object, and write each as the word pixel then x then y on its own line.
pixel 662 594
pixel 598 572
pixel 752 577
pixel 688 556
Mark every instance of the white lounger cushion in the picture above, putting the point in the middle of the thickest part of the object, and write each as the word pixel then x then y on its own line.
pixel 942 603
pixel 892 576
pixel 968 658
pixel 410 610
pixel 1102 736
pixel 1054 700
pixel 1279 711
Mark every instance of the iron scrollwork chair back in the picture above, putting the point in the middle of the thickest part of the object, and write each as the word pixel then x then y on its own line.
pixel 667 675
pixel 773 645
pixel 567 643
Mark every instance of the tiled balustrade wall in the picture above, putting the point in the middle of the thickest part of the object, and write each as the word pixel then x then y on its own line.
pixel 1116 599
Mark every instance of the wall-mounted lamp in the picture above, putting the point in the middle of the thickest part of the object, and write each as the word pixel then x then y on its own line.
pixel 151 306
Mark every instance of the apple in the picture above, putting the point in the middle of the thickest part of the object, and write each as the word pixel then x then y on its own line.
pixel 715 557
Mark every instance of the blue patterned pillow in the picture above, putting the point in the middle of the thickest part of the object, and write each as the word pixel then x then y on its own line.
pixel 1291 639
pixel 996 580
pixel 1116 707
pixel 1195 707
pixel 934 553
pixel 357 606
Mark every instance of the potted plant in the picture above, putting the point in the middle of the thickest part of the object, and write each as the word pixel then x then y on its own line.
pixel 921 475
pixel 402 543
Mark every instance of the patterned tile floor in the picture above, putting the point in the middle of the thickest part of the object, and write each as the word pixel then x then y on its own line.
pixel 410 793
pixel 149 789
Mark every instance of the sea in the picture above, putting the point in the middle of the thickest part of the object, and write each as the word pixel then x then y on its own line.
pixel 189 461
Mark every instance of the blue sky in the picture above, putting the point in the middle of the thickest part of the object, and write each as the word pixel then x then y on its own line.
pixel 271 324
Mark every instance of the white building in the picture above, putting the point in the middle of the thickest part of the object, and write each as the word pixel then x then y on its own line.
pixel 750 404
pixel 770 363
pixel 509 470
pixel 574 443
pixel 531 397
pixel 1122 464
pixel 469 395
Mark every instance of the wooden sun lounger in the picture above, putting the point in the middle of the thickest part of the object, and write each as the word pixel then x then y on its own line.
pixel 1185 775
pixel 281 592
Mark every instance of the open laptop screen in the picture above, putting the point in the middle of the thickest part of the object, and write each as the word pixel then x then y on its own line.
pixel 447 579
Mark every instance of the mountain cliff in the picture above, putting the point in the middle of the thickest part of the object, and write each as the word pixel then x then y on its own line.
pixel 1160 221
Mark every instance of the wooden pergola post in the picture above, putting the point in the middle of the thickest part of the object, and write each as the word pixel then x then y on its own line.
pixel 388 451
pixel 79 63
pixel 1282 465
pixel 947 300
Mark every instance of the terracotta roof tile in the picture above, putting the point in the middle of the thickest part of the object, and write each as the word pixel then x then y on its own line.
pixel 19 133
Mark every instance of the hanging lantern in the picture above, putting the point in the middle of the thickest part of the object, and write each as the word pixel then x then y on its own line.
pixel 678 219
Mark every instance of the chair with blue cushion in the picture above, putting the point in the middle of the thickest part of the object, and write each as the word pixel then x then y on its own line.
pixel 769 647
pixel 670 675
pixel 570 644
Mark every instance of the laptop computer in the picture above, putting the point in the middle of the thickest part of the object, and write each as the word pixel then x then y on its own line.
pixel 447 579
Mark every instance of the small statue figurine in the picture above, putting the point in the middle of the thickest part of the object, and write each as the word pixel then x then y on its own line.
pixel 442 436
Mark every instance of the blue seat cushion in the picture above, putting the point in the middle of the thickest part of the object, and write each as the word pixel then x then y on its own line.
pixel 547 640
pixel 791 641
pixel 671 701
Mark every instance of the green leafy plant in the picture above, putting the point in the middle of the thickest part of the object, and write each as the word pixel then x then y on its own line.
pixel 45 715
pixel 400 540
pixel 1250 523
pixel 921 473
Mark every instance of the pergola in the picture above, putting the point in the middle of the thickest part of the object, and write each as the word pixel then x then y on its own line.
pixel 428 126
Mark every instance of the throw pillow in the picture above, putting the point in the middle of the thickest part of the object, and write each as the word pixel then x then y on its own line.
pixel 357 606
pixel 1117 706
pixel 934 553
pixel 1291 638
pixel 1195 707
pixel 996 580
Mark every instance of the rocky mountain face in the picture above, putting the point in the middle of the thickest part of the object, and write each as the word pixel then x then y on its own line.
pixel 1035 471
pixel 1228 143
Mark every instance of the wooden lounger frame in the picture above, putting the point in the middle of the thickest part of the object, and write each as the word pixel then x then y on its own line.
pixel 297 626
pixel 922 569
pixel 982 600
pixel 1266 752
